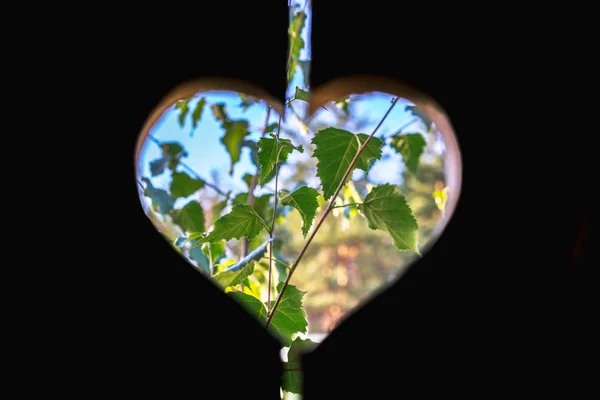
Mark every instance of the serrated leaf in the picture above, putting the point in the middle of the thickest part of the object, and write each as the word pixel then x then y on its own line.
pixel 414 110
pixel 301 94
pixel 305 201
pixel 197 114
pixel 232 277
pixel 184 185
pixel 289 318
pixel 335 150
pixel 218 208
pixel 269 149
pixel 386 209
pixel 161 200
pixel 190 217
pixel 411 146
pixel 261 203
pixel 159 165
pixel 292 369
pixel 242 221
pixel 217 249
pixel 183 108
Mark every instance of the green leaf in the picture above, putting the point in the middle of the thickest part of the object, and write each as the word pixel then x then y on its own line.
pixel 251 304
pixel 335 150
pixel 261 203
pixel 289 317
pixel 217 249
pixel 184 109
pixel 173 149
pixel 239 271
pixel 219 113
pixel 305 201
pixel 197 114
pixel 296 42
pixel 253 150
pixel 159 165
pixel 218 208
pixel 292 369
pixel 414 110
pixel 386 209
pixel 184 185
pixel 301 94
pixel 197 255
pixel 274 127
pixel 248 179
pixel 161 200
pixel 232 277
pixel 190 218
pixel 269 149
pixel 242 221
pixel 411 146
pixel 235 132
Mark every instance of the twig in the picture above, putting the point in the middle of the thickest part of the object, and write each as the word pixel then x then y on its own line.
pixel 253 183
pixel 325 213
pixel 140 183
pixel 272 232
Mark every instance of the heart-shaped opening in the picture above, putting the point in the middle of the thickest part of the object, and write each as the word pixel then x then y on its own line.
pixel 215 160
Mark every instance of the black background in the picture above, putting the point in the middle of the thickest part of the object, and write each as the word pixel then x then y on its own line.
pixel 500 305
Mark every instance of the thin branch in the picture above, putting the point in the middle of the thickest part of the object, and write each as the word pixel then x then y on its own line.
pixel 272 232
pixel 253 183
pixel 347 205
pixel 326 213
pixel 409 123
pixel 140 183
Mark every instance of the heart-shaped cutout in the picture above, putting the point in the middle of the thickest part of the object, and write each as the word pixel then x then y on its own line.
pixel 214 161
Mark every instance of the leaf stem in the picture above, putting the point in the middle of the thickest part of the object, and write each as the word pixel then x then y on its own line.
pixel 210 261
pixel 272 232
pixel 325 213
pixel 190 170
pixel 347 205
